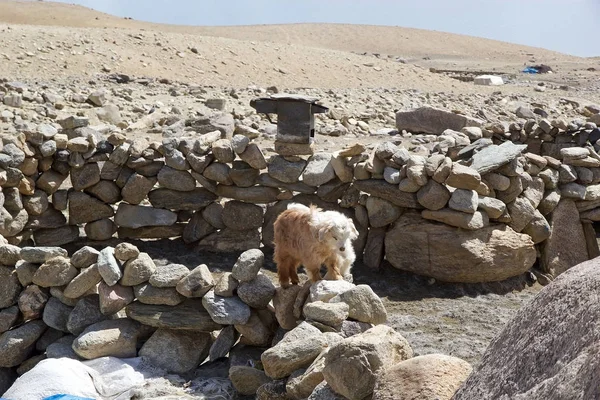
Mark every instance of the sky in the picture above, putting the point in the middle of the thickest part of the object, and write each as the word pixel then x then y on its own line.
pixel 568 26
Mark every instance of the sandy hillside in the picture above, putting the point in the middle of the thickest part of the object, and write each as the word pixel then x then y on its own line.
pixel 53 40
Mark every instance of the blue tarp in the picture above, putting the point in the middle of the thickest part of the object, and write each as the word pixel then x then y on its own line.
pixel 66 397
pixel 531 70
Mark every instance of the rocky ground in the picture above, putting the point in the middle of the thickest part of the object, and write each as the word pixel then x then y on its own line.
pixel 157 77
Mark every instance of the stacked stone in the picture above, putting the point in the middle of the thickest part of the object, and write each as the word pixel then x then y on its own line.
pixel 115 301
pixel 217 190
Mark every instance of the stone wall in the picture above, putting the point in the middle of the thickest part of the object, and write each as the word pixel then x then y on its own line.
pixel 481 205
pixel 117 302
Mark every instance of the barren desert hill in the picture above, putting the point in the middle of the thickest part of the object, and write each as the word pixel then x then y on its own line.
pixel 387 40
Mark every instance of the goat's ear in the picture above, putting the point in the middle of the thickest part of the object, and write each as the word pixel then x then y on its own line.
pixel 323 231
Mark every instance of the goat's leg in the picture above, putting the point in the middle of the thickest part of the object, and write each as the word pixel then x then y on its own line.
pixel 333 270
pixel 313 271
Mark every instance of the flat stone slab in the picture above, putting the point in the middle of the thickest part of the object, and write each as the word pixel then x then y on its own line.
pixel 175 200
pixel 189 315
pixel 129 216
pixel 493 157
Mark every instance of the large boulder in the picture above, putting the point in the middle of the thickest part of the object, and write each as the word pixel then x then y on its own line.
pixel 566 245
pixel 432 121
pixel 352 365
pixel 493 253
pixel 550 349
pixel 428 377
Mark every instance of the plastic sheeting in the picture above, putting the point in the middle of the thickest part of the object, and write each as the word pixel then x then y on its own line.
pixel 105 378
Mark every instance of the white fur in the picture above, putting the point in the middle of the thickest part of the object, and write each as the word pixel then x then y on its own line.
pixel 341 231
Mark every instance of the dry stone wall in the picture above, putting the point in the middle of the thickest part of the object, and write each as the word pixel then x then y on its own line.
pixel 117 302
pixel 481 205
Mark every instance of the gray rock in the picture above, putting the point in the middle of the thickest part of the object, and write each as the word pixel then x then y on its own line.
pixel 100 230
pixel 87 279
pixel 493 253
pixel 352 365
pixel 242 216
pixel 25 272
pixel 108 266
pixel 197 283
pixel 197 228
pixel 193 200
pixel 284 170
pixel 524 112
pixel 553 320
pixel 248 265
pixel 381 212
pixel 168 275
pixel 37 203
pixel 138 270
pixel 493 157
pixel 223 343
pixel 433 196
pixel 521 212
pixel 39 255
pixel 284 302
pixel 85 177
pixel 566 246
pixel 86 312
pixel 258 292
pixel 17 344
pixel 326 290
pixel 331 314
pixel 57 271
pixel 226 285
pixel 8 317
pixel 85 208
pixel 84 257
pixel 432 121
pixel 231 240
pixel 364 305
pixel 464 200
pixel 254 156
pixel 56 314
pixel 9 254
pixel 493 207
pixel 129 216
pixel 32 301
pixel 324 392
pixel 538 228
pixel 114 298
pixel 137 188
pixel 10 287
pixel 226 310
pixel 462 177
pixel 247 380
pixel 148 294
pixel 319 170
pixel 458 219
pixel 189 315
pixel 176 180
pixel 432 376
pixel 126 251
pixel 239 143
pixel 62 348
pixel 108 338
pixel 176 351
pixel 298 349
pixel 97 98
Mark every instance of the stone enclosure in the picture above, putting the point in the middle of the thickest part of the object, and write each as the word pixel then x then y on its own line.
pixel 483 204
